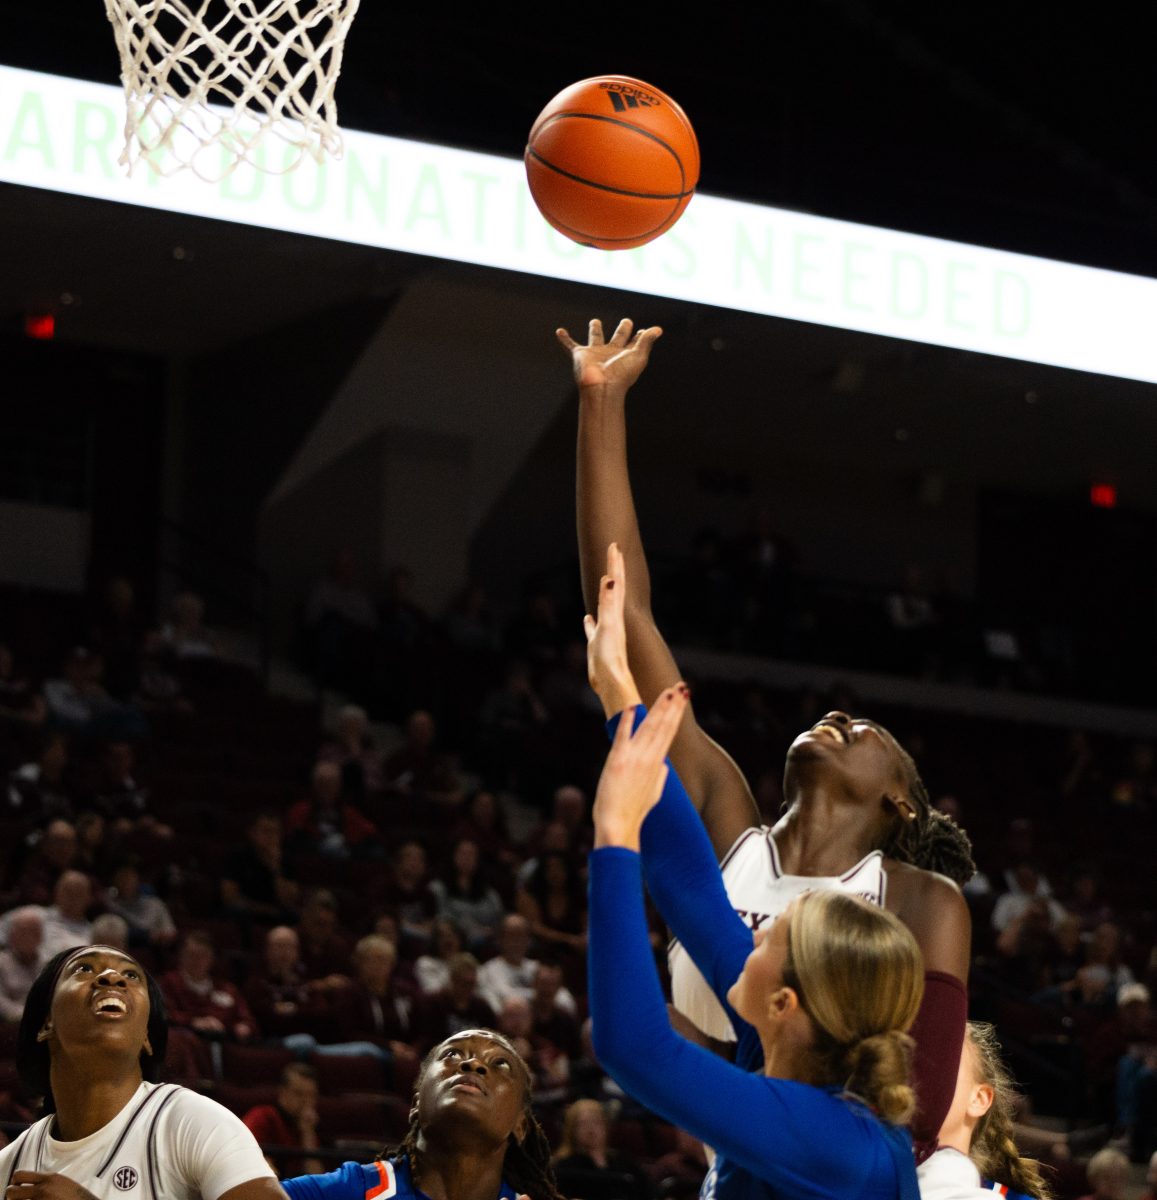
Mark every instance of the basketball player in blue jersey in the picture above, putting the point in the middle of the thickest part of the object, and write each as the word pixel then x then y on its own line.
pixel 819 999
pixel 91 1042
pixel 858 817
pixel 472 1134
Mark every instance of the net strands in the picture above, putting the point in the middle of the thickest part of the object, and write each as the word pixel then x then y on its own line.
pixel 211 85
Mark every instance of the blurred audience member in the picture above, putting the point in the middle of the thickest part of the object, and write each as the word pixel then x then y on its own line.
pixel 185 633
pixel 290 1122
pixel 1108 1172
pixel 325 947
pixel 466 898
pixel 340 624
pixel 458 1007
pixel 19 700
pixel 483 822
pixel 553 903
pixel 79 704
pixel 40 791
pixel 120 796
pixel 432 970
pixel 585 1165
pixel 326 823
pixel 1025 887
pixel 280 996
pixel 255 883
pixel 55 852
pixel 117 632
pixel 20 961
pixel 200 999
pixel 352 749
pixel 417 768
pixel 408 894
pixel 511 971
pixel 66 922
pixel 149 921
pixel 110 930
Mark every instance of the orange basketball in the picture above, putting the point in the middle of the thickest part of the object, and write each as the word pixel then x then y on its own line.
pixel 612 162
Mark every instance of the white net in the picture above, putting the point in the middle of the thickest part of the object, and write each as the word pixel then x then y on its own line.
pixel 210 84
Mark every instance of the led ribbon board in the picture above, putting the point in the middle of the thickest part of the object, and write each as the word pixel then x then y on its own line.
pixel 65 135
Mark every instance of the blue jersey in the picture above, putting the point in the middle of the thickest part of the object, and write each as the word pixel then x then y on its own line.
pixel 774 1138
pixel 386 1179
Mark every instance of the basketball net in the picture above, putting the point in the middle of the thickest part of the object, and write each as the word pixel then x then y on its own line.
pixel 210 84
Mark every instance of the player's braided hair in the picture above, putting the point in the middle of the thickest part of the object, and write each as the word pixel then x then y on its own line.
pixel 526 1165
pixel 933 840
pixel 993 1149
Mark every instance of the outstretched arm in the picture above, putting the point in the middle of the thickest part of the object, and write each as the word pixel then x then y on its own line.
pixel 605 372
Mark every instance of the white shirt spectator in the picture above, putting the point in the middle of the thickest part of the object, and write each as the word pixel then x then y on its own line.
pixel 498 980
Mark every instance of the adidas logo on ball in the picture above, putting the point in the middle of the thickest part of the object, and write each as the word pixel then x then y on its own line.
pixel 622 96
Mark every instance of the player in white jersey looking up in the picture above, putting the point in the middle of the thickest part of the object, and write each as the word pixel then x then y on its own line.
pixel 91 1042
pixel 858 816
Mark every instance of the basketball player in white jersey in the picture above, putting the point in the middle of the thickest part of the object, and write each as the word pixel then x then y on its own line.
pixel 91 1041
pixel 858 817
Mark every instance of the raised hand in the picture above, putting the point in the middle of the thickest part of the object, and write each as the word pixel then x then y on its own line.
pixel 618 362
pixel 635 771
pixel 607 668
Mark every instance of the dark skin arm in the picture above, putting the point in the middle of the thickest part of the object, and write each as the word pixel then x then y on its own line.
pixel 605 371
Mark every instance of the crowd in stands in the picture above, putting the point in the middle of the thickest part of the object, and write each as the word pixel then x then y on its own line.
pixel 321 908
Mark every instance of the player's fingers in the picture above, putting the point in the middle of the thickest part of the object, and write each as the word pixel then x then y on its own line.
pixel 595 333
pixel 646 338
pixel 617 567
pixel 622 333
pixel 622 738
pixel 568 343
pixel 589 626
pixel 658 731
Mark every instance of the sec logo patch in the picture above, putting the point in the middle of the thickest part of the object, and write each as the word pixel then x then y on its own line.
pixel 125 1179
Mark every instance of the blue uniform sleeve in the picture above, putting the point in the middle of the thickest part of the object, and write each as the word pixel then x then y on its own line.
pixel 793 1136
pixel 684 880
pixel 346 1183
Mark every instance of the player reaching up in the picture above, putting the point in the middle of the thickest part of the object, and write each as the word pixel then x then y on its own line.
pixel 858 816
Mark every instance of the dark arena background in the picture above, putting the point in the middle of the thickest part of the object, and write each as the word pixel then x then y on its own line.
pixel 287 522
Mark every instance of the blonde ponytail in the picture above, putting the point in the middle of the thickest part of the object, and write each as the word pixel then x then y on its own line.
pixel 993 1148
pixel 859 976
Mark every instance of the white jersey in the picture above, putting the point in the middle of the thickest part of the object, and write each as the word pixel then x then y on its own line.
pixel 950 1175
pixel 167 1143
pixel 760 891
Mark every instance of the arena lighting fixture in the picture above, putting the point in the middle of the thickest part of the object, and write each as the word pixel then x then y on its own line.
pixel 1103 495
pixel 41 327
pixel 64 135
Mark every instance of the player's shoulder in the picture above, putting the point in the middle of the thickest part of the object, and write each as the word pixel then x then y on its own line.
pixel 11 1152
pixel 912 885
pixel 382 1179
pixel 183 1104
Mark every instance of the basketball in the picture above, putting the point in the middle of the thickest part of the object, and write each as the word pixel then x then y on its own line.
pixel 612 162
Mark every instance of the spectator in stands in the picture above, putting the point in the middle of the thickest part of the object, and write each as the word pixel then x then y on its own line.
pixel 325 947
pixel 1025 946
pixel 482 820
pixel 1108 1172
pixel 1150 1192
pixel 149 920
pixel 459 1006
pixel 110 930
pixel 585 1165
pixel 282 999
pixel 511 972
pixel 510 715
pixel 1098 980
pixel 377 1007
pixel 418 768
pixel 121 797
pixel 201 1000
pixel 680 1172
pixel 117 632
pixel 432 970
pixel 19 701
pixel 290 1122
pixel 466 898
pixel 551 838
pixel 552 1011
pixel 1086 902
pixel 408 893
pixel 185 633
pixel 41 791
pixel 1026 886
pixel 159 689
pixel 78 703
pixel 553 903
pixel 326 823
pixel 1131 1040
pixel 66 920
pixel 20 961
pixel 255 882
pixel 470 623
pixel 55 853
pixel 549 1065
pixel 569 808
pixel 352 749
pixel 93 848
